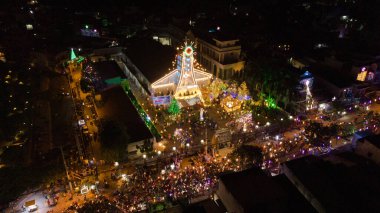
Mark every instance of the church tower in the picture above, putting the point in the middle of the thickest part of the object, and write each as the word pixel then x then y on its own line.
pixel 187 86
pixel 184 82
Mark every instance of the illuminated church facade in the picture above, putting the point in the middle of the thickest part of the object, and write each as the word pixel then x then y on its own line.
pixel 184 82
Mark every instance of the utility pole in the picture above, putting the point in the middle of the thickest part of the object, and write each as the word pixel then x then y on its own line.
pixel 206 140
pixel 67 172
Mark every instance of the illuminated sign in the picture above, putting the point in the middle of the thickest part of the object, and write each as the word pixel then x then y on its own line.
pixel 29 27
pixel 361 76
pixel 89 32
pixel 161 100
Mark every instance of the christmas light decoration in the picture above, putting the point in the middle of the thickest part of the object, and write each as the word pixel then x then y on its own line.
pixel 185 80
pixel 72 55
pixel 174 108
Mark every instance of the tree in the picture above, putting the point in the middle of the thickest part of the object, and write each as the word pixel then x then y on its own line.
pixel 338 106
pixel 174 108
pixel 207 100
pixel 347 129
pixel 216 87
pixel 313 132
pixel 319 135
pixel 270 102
pixel 125 85
pixel 247 155
pixel 271 81
pixel 85 85
pixel 243 90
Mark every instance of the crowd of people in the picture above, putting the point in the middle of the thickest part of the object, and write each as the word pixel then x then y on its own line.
pixel 100 204
pixel 276 152
pixel 199 178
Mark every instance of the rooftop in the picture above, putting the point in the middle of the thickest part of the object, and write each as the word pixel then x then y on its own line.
pixel 108 51
pixel 211 37
pixel 117 106
pixel 255 191
pixel 374 140
pixel 152 58
pixel 339 186
pixel 332 75
pixel 108 70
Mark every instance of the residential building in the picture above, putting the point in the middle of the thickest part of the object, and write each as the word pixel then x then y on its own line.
pixel 340 181
pixel 254 191
pixel 117 106
pixel 337 182
pixel 219 53
pixel 369 147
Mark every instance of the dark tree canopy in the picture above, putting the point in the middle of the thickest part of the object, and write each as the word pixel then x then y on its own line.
pixel 249 155
pixel 272 85
pixel 319 135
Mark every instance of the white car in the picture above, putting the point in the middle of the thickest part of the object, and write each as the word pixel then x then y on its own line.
pixel 32 208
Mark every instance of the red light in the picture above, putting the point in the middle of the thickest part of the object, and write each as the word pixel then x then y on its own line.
pixel 189 50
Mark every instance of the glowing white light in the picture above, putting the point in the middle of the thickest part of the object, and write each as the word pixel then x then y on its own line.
pixel 124 177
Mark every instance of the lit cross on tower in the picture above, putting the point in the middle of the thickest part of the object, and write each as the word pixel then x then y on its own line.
pixel 187 86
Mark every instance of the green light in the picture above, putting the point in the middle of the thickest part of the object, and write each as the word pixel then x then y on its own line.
pixel 72 54
pixel 80 59
pixel 125 84
pixel 174 107
pixel 86 26
pixel 115 81
pixel 271 103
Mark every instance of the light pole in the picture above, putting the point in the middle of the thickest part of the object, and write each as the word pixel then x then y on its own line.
pixel 206 141
pixel 175 154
